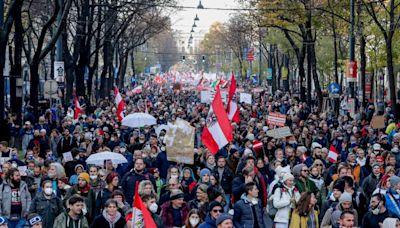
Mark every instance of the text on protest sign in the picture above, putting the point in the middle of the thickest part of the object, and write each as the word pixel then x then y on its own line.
pixel 179 141
pixel 279 133
pixel 245 97
pixel 276 119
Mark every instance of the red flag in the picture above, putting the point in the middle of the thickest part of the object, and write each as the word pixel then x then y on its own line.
pixel 233 111
pixel 218 131
pixel 139 206
pixel 333 154
pixel 78 110
pixel 120 104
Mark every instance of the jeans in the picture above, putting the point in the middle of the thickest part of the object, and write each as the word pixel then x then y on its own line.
pixel 228 202
pixel 17 224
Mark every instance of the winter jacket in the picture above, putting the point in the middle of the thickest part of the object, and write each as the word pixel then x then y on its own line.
pixel 5 199
pixel 63 221
pixel 281 201
pixel 226 181
pixel 65 145
pixel 208 223
pixel 103 222
pixel 244 216
pixel 101 199
pixel 167 214
pixel 372 221
pixel 89 198
pixel 370 184
pixel 129 180
pixel 298 221
pixel 332 215
pixel 48 209
pixel 393 202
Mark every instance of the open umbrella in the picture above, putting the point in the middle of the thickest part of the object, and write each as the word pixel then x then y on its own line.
pixel 139 119
pixel 99 158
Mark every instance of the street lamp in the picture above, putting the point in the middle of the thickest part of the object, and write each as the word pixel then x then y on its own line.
pixel 196 18
pixel 200 6
pixel 191 37
pixel 194 25
pixel 192 30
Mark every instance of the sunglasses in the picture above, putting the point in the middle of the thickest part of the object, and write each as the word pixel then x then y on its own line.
pixel 216 210
pixel 305 171
pixel 319 164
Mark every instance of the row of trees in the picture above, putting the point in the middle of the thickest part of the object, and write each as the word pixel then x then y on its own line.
pixel 313 35
pixel 97 35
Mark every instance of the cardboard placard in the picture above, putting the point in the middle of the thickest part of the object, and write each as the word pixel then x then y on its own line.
pixel 378 122
pixel 245 97
pixel 276 119
pixel 279 133
pixel 179 141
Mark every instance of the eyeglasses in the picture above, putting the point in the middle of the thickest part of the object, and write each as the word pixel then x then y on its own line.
pixel 217 211
pixel 305 171
pixel 319 164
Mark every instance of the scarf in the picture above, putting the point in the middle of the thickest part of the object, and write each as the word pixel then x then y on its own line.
pixel 111 219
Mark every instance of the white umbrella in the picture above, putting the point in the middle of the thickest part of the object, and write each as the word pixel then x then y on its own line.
pixel 99 158
pixel 139 119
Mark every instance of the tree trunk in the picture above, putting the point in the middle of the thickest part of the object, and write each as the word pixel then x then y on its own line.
pixel 363 65
pixel 392 83
pixel 122 69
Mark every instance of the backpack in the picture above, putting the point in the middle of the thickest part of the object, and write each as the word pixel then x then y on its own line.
pixel 271 209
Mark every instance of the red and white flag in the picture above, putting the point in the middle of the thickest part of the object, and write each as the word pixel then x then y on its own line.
pixel 137 89
pixel 257 145
pixel 120 104
pixel 78 109
pixel 233 110
pixel 333 154
pixel 218 131
pixel 141 216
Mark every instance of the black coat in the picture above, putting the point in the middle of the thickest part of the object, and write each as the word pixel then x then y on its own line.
pixel 129 180
pixel 227 178
pixel 100 221
pixel 48 209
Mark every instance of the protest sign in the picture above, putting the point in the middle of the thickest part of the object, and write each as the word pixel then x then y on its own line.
pixel 276 119
pixel 245 97
pixel 378 122
pixel 179 141
pixel 68 156
pixel 205 96
pixel 279 133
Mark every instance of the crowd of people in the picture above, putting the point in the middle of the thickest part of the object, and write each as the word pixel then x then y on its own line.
pixel 287 182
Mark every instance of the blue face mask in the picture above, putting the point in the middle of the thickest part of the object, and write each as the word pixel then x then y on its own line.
pixel 14 156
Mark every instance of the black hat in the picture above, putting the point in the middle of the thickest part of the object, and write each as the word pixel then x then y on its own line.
pixel 339 185
pixel 214 204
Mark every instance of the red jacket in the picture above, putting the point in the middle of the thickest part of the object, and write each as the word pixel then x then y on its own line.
pixel 167 216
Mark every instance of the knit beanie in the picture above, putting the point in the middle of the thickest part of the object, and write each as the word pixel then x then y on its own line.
pixel 394 180
pixel 345 197
pixel 339 185
pixel 286 177
pixel 297 169
pixel 205 171
pixel 85 176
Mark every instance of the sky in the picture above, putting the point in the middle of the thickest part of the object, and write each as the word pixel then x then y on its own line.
pixel 183 19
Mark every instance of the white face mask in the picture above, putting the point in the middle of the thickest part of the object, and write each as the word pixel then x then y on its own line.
pixel 93 177
pixel 51 175
pixel 376 210
pixel 153 207
pixel 48 191
pixel 122 150
pixel 193 221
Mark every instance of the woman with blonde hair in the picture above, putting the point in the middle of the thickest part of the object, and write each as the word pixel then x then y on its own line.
pixel 145 188
pixel 305 215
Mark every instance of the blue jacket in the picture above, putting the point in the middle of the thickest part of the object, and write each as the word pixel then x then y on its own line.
pixel 393 205
pixel 208 223
pixel 243 213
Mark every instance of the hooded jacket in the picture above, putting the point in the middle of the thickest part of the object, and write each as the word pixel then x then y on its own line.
pixel 282 202
pixel 48 209
pixel 332 215
pixel 5 199
pixel 208 223
pixel 63 221
pixel 244 216
pixel 104 222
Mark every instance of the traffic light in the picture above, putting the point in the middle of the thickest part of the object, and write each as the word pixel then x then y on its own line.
pixel 203 59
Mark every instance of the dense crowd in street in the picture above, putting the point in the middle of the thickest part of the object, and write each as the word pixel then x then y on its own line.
pixel 332 171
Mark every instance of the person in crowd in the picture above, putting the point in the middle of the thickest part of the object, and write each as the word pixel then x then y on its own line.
pixel 194 219
pixel 46 204
pixel 84 190
pixel 175 211
pixel 215 209
pixel 123 206
pixel 284 200
pixel 15 199
pixel 105 194
pixel 225 177
pixel 371 182
pixel 110 217
pixel 378 212
pixel 35 221
pixel 393 197
pixel 73 180
pixel 332 215
pixel 66 143
pixel 138 173
pixel 302 181
pixel 305 215
pixel 188 182
pixel 248 210
pixel 201 201
pixel 145 188
pixel 150 202
pixel 347 219
pixel 73 217
pixel 224 221
pixel 391 222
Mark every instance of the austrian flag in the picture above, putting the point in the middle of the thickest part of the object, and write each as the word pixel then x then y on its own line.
pixel 78 109
pixel 233 111
pixel 333 154
pixel 218 131
pixel 120 104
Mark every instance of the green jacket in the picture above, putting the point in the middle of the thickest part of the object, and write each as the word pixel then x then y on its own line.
pixel 64 221
pixel 308 186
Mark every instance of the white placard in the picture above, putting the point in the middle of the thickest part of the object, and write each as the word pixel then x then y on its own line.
pixel 59 71
pixel 68 156
pixel 205 97
pixel 245 97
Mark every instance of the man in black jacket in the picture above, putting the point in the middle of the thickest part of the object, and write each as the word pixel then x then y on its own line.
pixel 378 212
pixel 225 177
pixel 66 143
